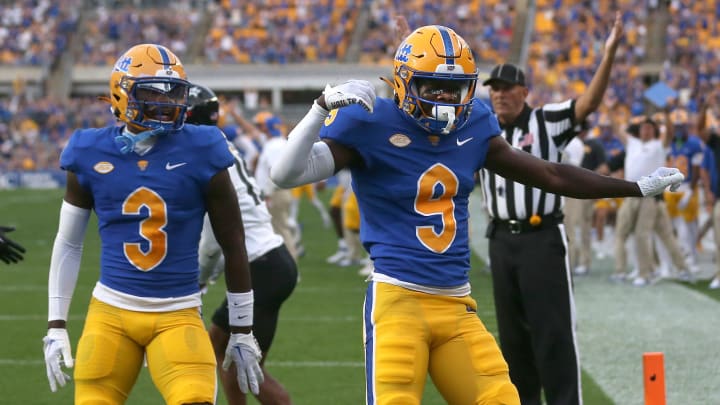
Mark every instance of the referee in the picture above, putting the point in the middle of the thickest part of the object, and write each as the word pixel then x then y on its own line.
pixel 527 242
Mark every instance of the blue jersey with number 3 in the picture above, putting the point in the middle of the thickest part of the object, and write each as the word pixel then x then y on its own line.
pixel 413 189
pixel 150 208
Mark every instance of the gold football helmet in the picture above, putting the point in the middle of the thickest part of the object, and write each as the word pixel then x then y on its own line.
pixel 434 78
pixel 149 89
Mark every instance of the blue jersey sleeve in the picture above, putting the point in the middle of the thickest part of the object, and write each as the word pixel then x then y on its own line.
pixel 345 125
pixel 68 155
pixel 79 155
pixel 355 128
pixel 484 120
pixel 207 147
pixel 219 154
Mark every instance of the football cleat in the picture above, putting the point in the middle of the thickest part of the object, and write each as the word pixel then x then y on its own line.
pixel 338 256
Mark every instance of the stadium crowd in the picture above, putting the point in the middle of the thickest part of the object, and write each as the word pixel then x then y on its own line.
pixel 565 45
pixel 35 32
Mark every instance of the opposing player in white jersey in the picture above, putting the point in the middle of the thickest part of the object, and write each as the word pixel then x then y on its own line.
pixel 272 268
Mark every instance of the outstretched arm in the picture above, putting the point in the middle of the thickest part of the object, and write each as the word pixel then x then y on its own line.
pixel 568 180
pixel 591 99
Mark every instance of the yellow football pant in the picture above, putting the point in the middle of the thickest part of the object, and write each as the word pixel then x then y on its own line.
pixel 336 200
pixel 408 334
pixel 307 190
pixel 689 213
pixel 351 213
pixel 110 354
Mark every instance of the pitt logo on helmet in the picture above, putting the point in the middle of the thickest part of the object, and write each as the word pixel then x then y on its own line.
pixel 149 89
pixel 123 64
pixel 434 78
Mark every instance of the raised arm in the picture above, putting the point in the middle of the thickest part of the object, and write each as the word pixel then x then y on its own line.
pixel 305 159
pixel 710 102
pixel 622 133
pixel 247 127
pixel 590 100
pixel 667 132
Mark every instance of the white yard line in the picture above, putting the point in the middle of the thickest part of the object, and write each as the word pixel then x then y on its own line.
pixel 618 323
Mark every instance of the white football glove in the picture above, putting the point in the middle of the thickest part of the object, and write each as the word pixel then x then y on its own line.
pixel 351 92
pixel 56 346
pixel 243 350
pixel 662 177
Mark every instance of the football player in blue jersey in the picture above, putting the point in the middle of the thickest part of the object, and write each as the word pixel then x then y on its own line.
pixel 10 251
pixel 413 158
pixel 272 267
pixel 150 182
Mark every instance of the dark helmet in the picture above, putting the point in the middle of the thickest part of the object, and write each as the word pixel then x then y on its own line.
pixel 203 106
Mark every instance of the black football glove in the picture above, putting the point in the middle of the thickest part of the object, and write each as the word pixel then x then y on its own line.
pixel 10 252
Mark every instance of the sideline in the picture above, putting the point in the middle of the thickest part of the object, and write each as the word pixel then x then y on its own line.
pixel 618 323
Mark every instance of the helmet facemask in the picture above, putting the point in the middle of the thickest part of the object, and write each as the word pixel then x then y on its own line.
pixel 149 89
pixel 435 77
pixel 156 103
pixel 439 102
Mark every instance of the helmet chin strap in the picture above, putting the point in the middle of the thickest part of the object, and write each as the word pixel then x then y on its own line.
pixel 128 140
pixel 445 113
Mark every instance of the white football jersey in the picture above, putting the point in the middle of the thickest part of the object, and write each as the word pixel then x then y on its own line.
pixel 268 157
pixel 260 237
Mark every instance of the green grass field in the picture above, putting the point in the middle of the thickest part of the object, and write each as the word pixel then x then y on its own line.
pixel 317 352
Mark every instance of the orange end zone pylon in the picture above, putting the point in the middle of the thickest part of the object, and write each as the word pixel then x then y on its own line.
pixel 654 378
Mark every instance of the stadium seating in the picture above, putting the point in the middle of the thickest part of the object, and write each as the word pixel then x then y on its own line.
pixel 238 46
pixel 35 33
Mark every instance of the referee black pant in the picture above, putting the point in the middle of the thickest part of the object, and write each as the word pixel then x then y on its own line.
pixel 536 313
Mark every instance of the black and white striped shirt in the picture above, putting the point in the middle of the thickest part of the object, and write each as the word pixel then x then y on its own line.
pixel 544 132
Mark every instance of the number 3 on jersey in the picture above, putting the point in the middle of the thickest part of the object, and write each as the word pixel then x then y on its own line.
pixel 428 202
pixel 150 228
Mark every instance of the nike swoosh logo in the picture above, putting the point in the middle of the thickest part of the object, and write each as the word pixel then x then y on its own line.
pixel 464 141
pixel 168 166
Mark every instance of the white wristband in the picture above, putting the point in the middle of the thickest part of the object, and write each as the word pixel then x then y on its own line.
pixel 240 308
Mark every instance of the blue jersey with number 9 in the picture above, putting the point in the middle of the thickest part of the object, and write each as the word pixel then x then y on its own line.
pixel 413 189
